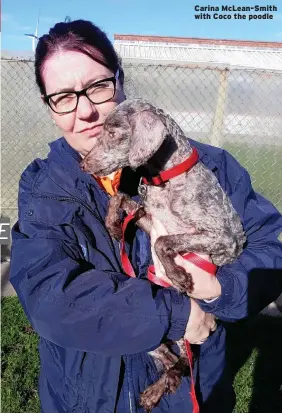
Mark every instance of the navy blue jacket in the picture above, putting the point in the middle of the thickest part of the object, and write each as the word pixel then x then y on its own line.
pixel 95 324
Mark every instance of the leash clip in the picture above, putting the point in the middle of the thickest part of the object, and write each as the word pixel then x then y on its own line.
pixel 142 191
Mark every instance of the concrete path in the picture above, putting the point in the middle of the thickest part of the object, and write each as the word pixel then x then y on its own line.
pixel 6 287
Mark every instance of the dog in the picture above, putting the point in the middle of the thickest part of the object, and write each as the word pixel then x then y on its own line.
pixel 192 206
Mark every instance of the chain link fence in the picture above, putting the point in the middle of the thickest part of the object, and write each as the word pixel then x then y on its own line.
pixel 239 110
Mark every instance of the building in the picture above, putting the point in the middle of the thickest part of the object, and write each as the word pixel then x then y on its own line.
pixel 216 89
pixel 238 53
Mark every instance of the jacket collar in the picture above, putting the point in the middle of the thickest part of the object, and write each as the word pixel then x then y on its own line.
pixel 62 153
pixel 205 154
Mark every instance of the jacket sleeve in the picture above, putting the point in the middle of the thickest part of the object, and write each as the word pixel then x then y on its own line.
pixel 254 280
pixel 75 305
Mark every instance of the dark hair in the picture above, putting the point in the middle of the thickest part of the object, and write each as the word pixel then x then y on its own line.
pixel 78 35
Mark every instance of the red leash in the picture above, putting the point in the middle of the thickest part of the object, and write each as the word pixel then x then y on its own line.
pixel 192 257
pixel 160 179
pixel 200 262
pixel 126 264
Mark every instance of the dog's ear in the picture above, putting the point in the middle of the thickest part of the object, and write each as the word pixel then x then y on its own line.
pixel 148 133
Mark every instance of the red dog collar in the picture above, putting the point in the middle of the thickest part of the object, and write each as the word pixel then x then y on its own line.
pixel 179 169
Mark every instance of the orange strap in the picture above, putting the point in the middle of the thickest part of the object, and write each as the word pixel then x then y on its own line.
pixel 109 185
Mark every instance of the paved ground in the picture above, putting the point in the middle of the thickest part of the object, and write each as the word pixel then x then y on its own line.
pixel 6 287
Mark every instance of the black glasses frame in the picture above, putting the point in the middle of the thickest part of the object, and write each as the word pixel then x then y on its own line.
pixel 82 92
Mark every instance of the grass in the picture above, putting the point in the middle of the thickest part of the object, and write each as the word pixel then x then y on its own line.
pixel 263 162
pixel 254 353
pixel 19 361
pixel 253 348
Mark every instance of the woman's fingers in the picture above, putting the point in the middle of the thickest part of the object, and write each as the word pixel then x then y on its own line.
pixel 206 285
pixel 203 335
pixel 157 230
pixel 159 269
pixel 214 326
pixel 200 324
pixel 159 227
pixel 200 337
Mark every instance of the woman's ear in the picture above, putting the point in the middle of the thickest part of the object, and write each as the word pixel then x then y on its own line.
pixel 148 133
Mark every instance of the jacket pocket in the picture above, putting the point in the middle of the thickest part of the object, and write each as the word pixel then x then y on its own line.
pixel 65 371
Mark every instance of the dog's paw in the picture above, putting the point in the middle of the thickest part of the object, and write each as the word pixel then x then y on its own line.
pixel 173 381
pixel 152 395
pixel 182 280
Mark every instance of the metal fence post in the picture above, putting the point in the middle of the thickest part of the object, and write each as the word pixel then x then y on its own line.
pixel 220 107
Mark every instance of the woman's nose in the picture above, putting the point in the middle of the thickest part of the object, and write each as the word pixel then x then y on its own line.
pixel 85 108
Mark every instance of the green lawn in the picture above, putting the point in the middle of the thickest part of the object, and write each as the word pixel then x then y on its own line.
pixel 19 362
pixel 264 165
pixel 254 350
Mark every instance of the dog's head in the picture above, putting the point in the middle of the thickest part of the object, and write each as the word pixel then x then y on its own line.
pixel 131 135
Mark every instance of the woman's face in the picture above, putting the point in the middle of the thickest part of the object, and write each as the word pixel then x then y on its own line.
pixel 75 71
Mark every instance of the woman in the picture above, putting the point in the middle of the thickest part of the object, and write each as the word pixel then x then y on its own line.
pixel 95 324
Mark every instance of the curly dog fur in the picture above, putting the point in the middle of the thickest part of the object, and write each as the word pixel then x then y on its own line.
pixel 196 212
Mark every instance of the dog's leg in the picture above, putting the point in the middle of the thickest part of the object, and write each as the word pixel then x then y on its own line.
pixel 180 279
pixel 169 380
pixel 112 221
pixel 178 370
pixel 152 395
pixel 168 246
pixel 143 220
pixel 165 356
pixel 123 201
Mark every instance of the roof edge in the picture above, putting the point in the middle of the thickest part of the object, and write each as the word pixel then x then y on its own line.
pixel 197 40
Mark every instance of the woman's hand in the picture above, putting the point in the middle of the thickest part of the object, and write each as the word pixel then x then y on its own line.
pixel 159 269
pixel 206 286
pixel 200 324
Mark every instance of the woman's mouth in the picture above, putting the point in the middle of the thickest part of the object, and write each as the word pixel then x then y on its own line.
pixel 92 132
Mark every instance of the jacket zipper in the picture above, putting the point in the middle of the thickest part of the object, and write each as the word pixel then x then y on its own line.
pixel 130 403
pixel 128 372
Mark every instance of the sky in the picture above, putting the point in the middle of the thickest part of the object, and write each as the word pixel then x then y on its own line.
pixel 146 17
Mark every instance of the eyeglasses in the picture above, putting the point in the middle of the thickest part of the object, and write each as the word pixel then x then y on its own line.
pixel 99 92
